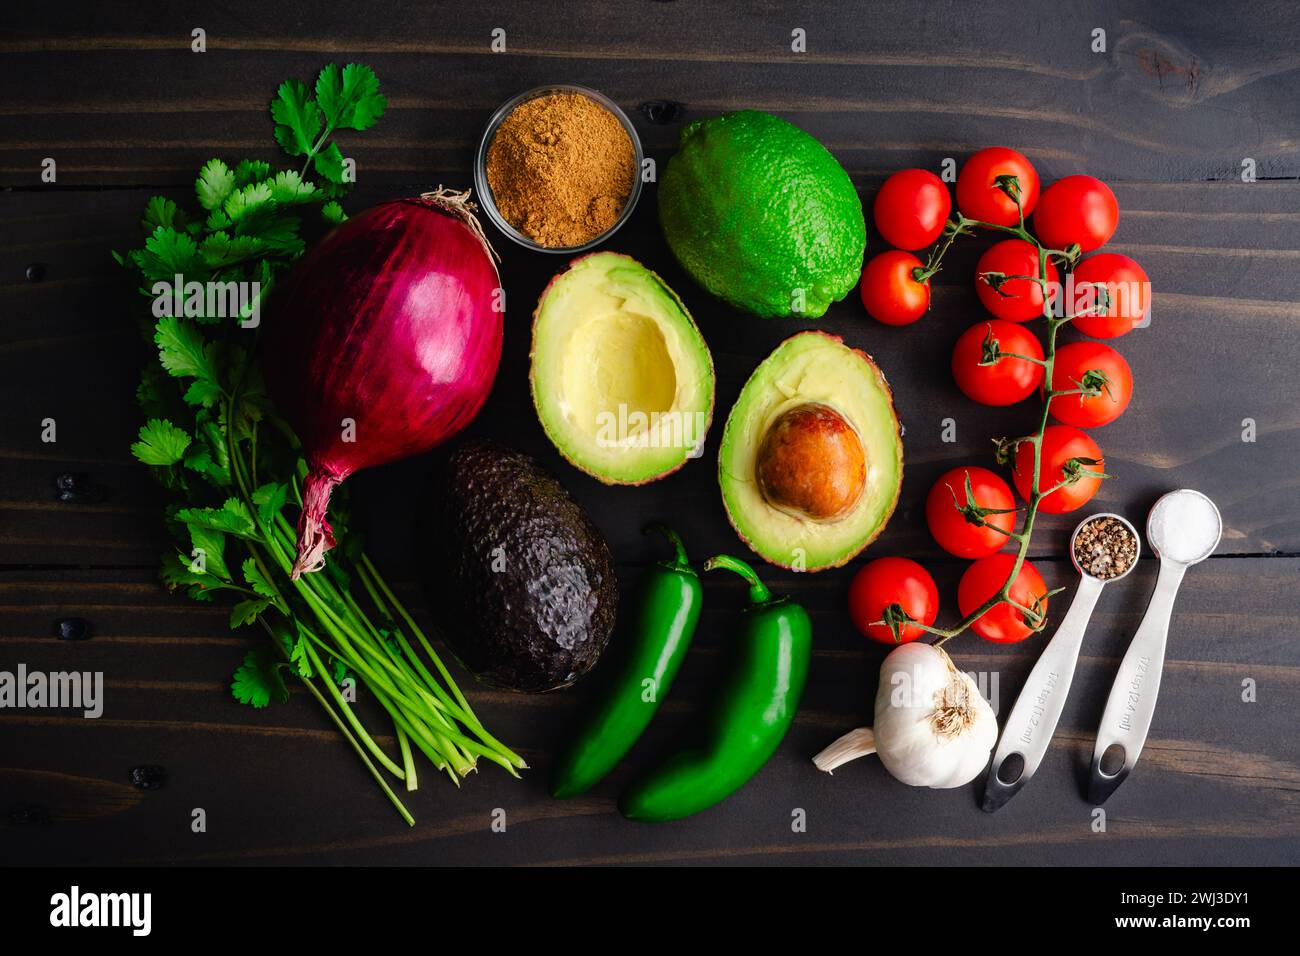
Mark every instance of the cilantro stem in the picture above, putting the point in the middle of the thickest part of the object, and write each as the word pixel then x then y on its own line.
pixel 319 667
pixel 460 706
pixel 445 739
pixel 408 762
pixel 433 746
pixel 360 751
pixel 367 566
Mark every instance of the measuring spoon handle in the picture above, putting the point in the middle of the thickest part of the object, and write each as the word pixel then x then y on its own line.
pixel 1132 700
pixel 1033 719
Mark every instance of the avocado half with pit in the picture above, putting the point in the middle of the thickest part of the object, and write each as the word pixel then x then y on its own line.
pixel 621 378
pixel 811 463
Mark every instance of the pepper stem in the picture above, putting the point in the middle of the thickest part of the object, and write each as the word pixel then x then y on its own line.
pixel 758 592
pixel 679 560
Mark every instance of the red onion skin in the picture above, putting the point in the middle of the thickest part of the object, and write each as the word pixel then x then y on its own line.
pixel 393 321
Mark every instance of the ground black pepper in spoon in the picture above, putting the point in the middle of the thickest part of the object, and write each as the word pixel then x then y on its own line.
pixel 1104 548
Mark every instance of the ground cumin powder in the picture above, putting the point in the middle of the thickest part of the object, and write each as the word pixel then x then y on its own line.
pixel 561 167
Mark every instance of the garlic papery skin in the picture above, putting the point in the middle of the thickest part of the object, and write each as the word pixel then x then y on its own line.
pixel 933 727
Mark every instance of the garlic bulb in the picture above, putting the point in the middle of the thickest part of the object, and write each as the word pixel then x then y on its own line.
pixel 933 727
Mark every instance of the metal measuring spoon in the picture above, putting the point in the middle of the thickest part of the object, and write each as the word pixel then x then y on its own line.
pixel 1032 721
pixel 1132 700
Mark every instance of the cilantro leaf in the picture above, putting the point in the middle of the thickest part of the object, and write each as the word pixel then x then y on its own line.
pixel 245 201
pixel 329 163
pixel 212 544
pixel 298 655
pixel 232 517
pixel 220 249
pixel 203 392
pixel 160 211
pixel 260 585
pixel 298 117
pixel 215 183
pixel 350 97
pixel 333 212
pixel 184 353
pixel 288 188
pixel 246 611
pixel 270 498
pixel 252 402
pixel 199 459
pixel 209 455
pixel 161 443
pixel 258 679
pixel 278 235
pixel 251 171
pixel 178 572
pixel 166 254
pixel 217 220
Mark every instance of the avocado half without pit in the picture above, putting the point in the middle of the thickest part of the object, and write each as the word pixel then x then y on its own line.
pixel 811 463
pixel 621 377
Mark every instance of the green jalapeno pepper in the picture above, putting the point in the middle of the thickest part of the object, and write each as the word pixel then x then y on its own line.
pixel 751 716
pixel 662 625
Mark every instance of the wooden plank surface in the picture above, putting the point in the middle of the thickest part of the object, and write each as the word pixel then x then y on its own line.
pixel 1183 94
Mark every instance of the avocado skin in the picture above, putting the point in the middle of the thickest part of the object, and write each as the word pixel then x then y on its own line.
pixel 541 619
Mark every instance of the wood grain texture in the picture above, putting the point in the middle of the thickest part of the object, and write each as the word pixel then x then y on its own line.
pixel 1182 95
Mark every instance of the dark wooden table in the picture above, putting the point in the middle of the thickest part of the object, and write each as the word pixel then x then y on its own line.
pixel 1183 95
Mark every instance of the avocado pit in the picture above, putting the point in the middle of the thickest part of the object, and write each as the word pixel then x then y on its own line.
pixel 811 463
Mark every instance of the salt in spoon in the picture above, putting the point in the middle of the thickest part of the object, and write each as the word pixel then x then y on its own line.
pixel 1183 528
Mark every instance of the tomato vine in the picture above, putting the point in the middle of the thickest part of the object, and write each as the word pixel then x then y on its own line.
pixel 1075 469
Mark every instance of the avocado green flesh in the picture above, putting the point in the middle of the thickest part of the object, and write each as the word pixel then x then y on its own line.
pixel 621 377
pixel 811 367
pixel 762 215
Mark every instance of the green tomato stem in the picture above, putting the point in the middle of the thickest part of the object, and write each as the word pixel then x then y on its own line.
pixel 962 225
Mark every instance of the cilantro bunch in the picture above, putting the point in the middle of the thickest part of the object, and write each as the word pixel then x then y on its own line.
pixel 214 438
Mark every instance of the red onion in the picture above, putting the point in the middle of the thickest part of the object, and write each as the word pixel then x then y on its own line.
pixel 393 321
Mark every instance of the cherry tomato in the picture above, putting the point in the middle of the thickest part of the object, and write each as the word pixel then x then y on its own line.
pixel 978 195
pixel 1018 300
pixel 1073 362
pixel 951 529
pixel 1127 286
pixel 1007 381
pixel 886 581
pixel 889 291
pixel 1060 444
pixel 1078 209
pixel 911 208
pixel 1002 623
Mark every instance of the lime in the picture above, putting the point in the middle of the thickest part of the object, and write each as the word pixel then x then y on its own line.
pixel 762 216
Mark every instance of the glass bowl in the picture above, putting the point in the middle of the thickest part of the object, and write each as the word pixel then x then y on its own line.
pixel 488 204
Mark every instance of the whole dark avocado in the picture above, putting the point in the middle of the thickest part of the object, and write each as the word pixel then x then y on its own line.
pixel 525 585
